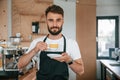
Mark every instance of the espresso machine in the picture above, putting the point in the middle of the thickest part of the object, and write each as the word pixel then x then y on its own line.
pixel 9 62
pixel 12 54
pixel 9 57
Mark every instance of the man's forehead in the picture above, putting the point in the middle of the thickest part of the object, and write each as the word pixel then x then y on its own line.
pixel 54 15
pixel 55 18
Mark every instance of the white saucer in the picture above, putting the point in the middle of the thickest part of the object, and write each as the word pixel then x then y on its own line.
pixel 54 55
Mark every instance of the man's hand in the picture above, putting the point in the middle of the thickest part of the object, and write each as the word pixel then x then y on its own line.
pixel 64 58
pixel 40 46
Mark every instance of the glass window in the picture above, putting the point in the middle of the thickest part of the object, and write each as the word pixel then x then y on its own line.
pixel 107 35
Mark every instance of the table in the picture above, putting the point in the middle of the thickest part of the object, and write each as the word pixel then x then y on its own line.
pixel 5 75
pixel 105 64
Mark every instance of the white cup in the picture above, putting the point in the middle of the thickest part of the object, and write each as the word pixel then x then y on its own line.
pixel 18 34
pixel 53 46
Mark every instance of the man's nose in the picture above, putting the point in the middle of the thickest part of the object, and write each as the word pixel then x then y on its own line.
pixel 55 23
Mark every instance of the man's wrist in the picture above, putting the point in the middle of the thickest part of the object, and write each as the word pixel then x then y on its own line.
pixel 34 51
pixel 70 62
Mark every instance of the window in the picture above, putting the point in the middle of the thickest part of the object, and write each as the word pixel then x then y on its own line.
pixel 107 35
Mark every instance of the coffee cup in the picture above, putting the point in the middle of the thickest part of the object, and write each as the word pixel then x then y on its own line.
pixel 53 46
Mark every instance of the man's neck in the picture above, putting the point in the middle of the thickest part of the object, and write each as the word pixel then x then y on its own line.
pixel 54 37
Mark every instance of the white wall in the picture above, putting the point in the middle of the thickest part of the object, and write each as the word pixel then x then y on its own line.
pixel 107 8
pixel 69 27
pixel 9 5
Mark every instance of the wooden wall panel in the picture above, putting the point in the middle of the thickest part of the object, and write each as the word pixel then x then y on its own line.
pixel 3 20
pixel 26 25
pixel 16 24
pixel 87 2
pixel 86 37
pixel 24 13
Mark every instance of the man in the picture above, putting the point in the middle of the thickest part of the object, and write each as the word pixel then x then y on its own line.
pixel 54 68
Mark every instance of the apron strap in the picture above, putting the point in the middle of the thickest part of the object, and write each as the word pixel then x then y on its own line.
pixel 45 38
pixel 64 43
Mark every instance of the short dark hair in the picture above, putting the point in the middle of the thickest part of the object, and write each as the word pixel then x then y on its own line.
pixel 54 9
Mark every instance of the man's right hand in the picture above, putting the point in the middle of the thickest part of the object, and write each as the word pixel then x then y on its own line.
pixel 40 46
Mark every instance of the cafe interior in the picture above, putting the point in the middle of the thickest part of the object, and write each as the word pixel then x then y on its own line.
pixel 94 24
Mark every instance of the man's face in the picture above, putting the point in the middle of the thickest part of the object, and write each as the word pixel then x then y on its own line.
pixel 54 23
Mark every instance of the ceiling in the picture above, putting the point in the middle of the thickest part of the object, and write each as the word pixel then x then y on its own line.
pixel 30 7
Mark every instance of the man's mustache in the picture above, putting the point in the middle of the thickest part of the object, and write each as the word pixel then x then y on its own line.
pixel 54 27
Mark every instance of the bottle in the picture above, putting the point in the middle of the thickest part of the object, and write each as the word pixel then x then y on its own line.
pixel 35 27
pixel 1 58
pixel 1 61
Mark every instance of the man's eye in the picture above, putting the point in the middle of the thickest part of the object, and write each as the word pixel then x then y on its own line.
pixel 58 20
pixel 50 20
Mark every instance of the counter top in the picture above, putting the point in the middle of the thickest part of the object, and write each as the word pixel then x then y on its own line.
pixel 113 66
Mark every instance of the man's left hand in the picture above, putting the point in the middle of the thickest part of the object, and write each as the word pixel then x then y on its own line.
pixel 64 58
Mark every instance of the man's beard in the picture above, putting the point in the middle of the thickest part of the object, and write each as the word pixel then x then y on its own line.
pixel 55 32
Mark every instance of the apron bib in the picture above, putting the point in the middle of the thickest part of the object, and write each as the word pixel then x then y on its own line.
pixel 51 69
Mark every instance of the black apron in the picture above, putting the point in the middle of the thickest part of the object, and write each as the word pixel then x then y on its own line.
pixel 51 69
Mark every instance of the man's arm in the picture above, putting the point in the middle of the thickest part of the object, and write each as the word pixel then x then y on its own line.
pixel 25 59
pixel 77 66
